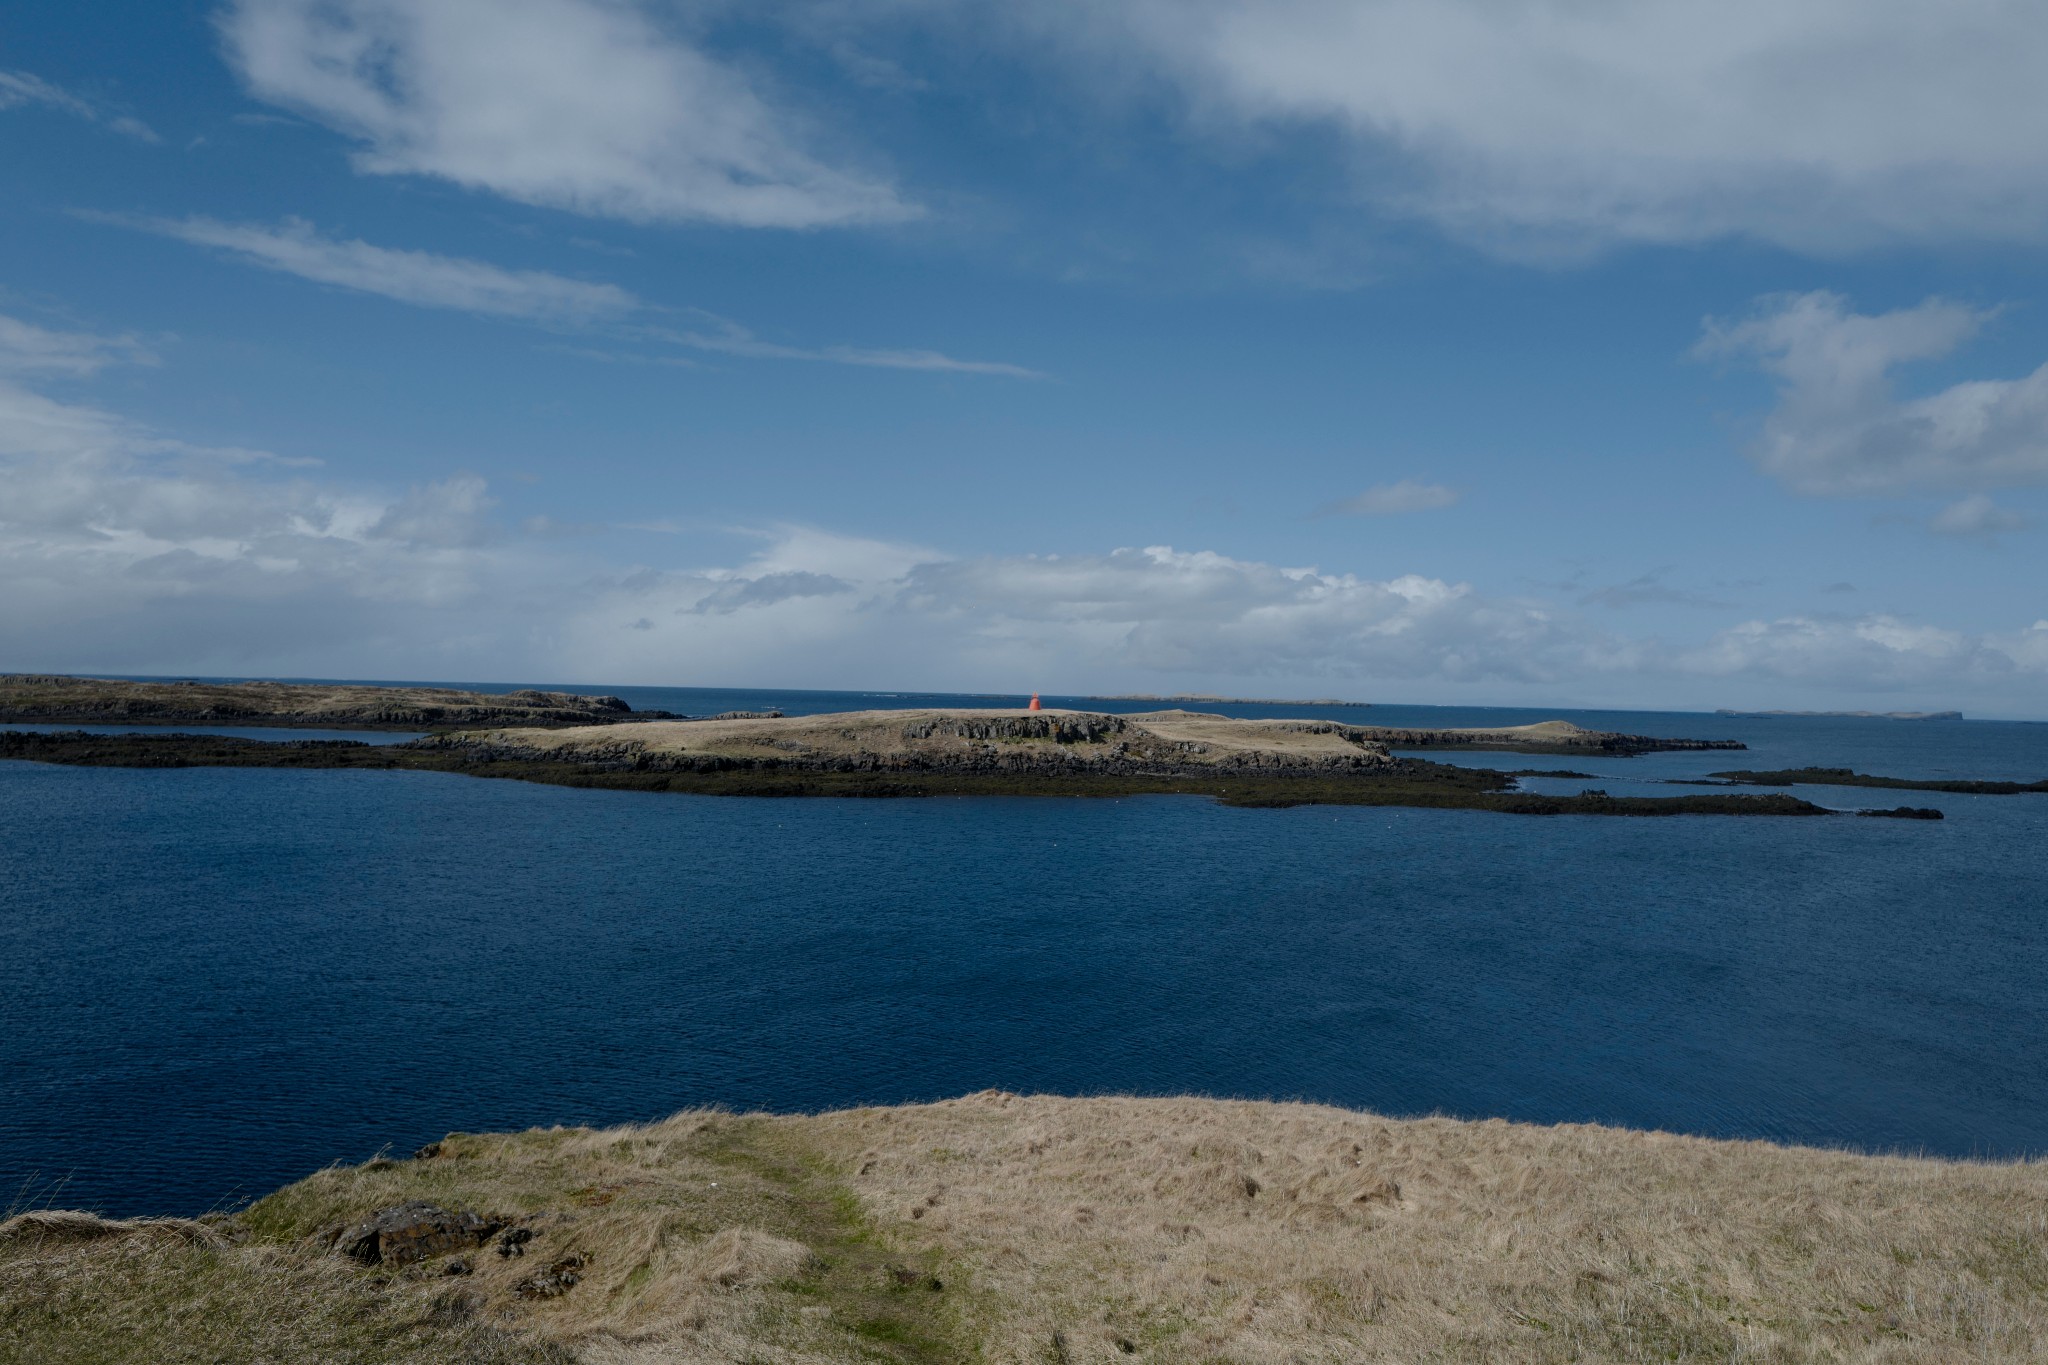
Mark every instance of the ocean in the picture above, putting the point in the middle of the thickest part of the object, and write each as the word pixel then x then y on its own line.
pixel 214 981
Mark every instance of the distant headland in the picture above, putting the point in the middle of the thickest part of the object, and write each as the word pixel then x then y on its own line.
pixel 59 700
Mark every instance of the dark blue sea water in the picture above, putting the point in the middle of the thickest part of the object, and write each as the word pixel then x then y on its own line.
pixel 214 981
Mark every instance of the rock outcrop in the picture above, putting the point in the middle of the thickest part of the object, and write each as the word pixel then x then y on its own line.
pixel 414 1231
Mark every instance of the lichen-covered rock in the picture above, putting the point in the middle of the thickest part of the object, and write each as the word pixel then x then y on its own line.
pixel 405 1233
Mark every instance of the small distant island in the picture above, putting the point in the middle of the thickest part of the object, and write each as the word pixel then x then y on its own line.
pixel 1842 715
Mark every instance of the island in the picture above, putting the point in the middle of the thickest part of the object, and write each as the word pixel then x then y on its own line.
pixel 1017 1228
pixel 27 698
pixel 964 752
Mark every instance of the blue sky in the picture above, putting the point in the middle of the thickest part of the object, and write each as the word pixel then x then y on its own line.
pixel 1472 351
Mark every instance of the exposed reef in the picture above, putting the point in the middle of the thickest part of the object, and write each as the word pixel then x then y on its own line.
pixel 51 700
pixel 1846 777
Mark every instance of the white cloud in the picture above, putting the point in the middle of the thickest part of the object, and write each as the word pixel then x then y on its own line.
pixel 19 88
pixel 1976 516
pixel 584 105
pixel 420 278
pixel 28 349
pixel 1391 499
pixel 1561 127
pixel 1838 427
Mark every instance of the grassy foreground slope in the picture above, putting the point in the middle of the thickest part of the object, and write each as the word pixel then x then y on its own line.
pixel 1013 1229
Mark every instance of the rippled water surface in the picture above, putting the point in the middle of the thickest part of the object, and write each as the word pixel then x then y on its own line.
pixel 213 981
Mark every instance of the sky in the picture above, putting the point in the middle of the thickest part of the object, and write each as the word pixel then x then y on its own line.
pixel 1574 353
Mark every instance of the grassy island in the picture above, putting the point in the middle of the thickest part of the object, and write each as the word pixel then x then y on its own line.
pixel 947 753
pixel 1018 1230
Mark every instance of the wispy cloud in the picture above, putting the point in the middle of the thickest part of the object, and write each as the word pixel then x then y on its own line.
pixel 1646 590
pixel 28 349
pixel 725 337
pixel 425 279
pixel 1976 517
pixel 586 105
pixel 420 278
pixel 1391 500
pixel 19 88
pixel 1838 427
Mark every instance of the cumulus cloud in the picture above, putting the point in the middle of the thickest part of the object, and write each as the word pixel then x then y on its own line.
pixel 420 278
pixel 1547 128
pixel 1976 516
pixel 1390 500
pixel 583 105
pixel 1839 428
pixel 19 88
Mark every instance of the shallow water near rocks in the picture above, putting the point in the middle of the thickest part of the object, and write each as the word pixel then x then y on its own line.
pixel 213 981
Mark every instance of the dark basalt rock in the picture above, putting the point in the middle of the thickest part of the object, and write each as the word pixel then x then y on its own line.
pixel 410 1232
pixel 1906 813
pixel 1080 729
pixel 557 1280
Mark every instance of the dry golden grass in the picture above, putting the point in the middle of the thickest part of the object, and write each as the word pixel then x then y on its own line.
pixel 1009 1229
pixel 1209 1230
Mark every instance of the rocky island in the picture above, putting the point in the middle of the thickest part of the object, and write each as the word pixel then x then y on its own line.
pixel 1027 1230
pixel 961 752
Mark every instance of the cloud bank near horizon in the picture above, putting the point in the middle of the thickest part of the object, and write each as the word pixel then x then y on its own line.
pixel 126 551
